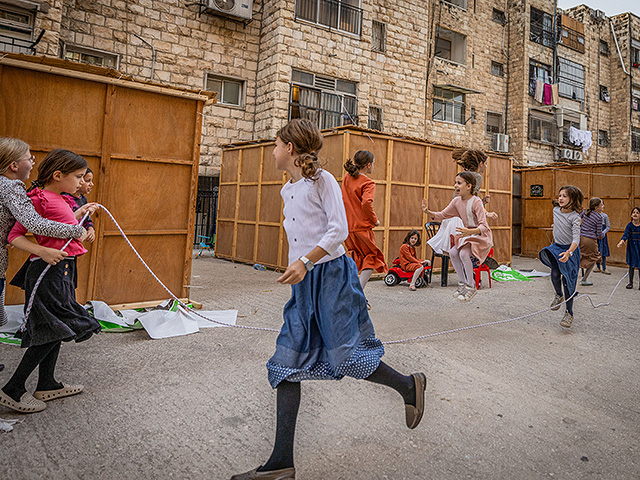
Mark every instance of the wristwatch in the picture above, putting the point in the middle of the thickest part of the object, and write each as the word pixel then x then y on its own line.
pixel 308 264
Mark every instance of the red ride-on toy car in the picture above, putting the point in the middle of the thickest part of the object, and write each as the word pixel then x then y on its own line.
pixel 396 274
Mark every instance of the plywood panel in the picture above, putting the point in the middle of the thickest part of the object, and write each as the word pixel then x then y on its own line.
pixel 396 238
pixel 501 204
pixel 534 240
pixel 227 201
pixel 405 206
pixel 270 203
pixel 51 111
pixel 539 177
pixel 269 171
pixel 378 202
pixel 151 125
pixel 268 245
pixel 229 170
pixel 580 180
pixel 244 245
pixel 537 213
pixel 248 202
pixel 500 173
pixel 250 165
pixel 443 169
pixel 224 238
pixel 128 197
pixel 331 156
pixel 501 246
pixel 126 280
pixel 439 198
pixel 612 182
pixel 408 162
pixel 619 212
pixel 375 145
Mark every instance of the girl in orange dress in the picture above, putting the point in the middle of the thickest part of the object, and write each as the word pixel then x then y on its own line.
pixel 357 194
pixel 408 260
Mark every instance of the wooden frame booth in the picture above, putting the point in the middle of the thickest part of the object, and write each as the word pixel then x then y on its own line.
pixel 142 142
pixel 617 184
pixel 250 207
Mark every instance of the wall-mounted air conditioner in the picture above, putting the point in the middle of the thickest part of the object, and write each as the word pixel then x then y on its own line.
pixel 241 9
pixel 577 156
pixel 501 143
pixel 566 154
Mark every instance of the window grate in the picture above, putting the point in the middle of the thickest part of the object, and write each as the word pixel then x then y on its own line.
pixel 375 118
pixel 379 36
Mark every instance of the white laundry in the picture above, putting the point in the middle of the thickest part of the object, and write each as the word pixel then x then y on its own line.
pixel 581 138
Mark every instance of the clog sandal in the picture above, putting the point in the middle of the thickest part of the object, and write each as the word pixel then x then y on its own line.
pixel 27 403
pixel 414 414
pixel 46 395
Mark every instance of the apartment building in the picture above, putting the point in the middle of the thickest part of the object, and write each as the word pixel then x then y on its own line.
pixel 456 72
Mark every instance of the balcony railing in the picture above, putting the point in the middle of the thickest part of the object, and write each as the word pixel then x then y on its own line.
pixel 16 45
pixel 334 14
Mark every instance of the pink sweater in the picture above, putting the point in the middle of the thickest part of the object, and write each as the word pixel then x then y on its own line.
pixel 54 207
pixel 473 216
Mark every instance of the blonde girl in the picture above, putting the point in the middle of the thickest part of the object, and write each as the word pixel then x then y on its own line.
pixel 55 315
pixel 327 332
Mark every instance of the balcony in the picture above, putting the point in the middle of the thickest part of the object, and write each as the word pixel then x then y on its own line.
pixel 335 14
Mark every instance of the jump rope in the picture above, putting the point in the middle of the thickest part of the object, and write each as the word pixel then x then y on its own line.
pixel 575 296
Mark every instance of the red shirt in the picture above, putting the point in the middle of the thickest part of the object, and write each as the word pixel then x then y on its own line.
pixel 55 207
pixel 357 194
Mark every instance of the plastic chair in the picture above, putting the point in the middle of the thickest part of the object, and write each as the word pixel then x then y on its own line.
pixel 432 229
pixel 477 272
pixel 205 244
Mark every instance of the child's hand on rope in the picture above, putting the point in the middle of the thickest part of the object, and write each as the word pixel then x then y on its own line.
pixel 91 234
pixel 52 256
pixel 293 274
pixel 89 207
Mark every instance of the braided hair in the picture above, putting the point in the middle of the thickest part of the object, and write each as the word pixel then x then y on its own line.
pixel 469 159
pixel 361 159
pixel 306 139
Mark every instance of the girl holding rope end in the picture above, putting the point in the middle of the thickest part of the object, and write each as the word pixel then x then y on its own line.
pixel 563 255
pixel 55 315
pixel 327 332
pixel 16 162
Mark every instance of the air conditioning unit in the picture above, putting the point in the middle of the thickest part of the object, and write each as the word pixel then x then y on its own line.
pixel 566 154
pixel 231 8
pixel 501 143
pixel 577 156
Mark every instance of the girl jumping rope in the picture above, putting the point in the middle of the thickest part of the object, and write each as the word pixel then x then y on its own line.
pixel 561 256
pixel 631 235
pixel 55 315
pixel 590 232
pixel 16 162
pixel 327 332
pixel 473 239
pixel 357 193
pixel 603 245
pixel 408 260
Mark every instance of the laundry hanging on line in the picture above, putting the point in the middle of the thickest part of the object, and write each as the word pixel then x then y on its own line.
pixel 581 138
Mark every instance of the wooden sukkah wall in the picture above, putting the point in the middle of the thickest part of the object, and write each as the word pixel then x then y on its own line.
pixel 141 141
pixel 250 208
pixel 617 184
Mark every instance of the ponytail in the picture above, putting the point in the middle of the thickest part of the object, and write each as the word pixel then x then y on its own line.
pixel 361 159
pixel 306 139
pixel 593 204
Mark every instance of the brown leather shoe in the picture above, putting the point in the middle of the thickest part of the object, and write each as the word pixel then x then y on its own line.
pixel 414 414
pixel 282 474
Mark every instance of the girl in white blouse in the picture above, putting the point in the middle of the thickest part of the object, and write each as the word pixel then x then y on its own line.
pixel 327 332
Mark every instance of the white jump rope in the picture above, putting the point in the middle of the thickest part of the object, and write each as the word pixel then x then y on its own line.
pixel 405 340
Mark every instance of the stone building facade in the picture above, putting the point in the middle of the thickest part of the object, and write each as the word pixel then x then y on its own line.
pixel 455 72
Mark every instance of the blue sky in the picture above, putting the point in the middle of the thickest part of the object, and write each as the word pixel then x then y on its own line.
pixel 610 7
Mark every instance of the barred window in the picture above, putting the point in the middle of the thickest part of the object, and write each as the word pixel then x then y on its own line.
pixel 90 56
pixel 327 101
pixel 570 79
pixel 343 15
pixel 603 138
pixel 635 53
pixel 16 30
pixel 378 36
pixel 635 139
pixel 538 71
pixel 604 48
pixel 541 28
pixel 604 94
pixel 230 90
pixel 375 118
pixel 494 122
pixel 497 69
pixel 448 105
pixel 498 16
pixel 542 128
pixel 635 98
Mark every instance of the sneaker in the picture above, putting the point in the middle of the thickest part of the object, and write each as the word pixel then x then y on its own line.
pixel 586 284
pixel 459 291
pixel 606 272
pixel 629 286
pixel 567 320
pixel 468 294
pixel 597 270
pixel 557 301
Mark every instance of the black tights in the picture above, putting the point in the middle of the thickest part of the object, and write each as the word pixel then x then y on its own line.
pixel 631 275
pixel 288 403
pixel 558 283
pixel 44 356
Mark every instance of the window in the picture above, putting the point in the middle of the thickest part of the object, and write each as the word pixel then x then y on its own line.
pixel 378 36
pixel 566 128
pixel 494 122
pixel 604 48
pixel 541 28
pixel 458 3
pixel 635 139
pixel 570 79
pixel 571 33
pixel 329 102
pixel 538 71
pixel 343 15
pixel 497 69
pixel 16 30
pixel 635 98
pixel 603 138
pixel 451 45
pixel 542 128
pixel 448 105
pixel 635 53
pixel 375 118
pixel 90 56
pixel 499 16
pixel 604 94
pixel 230 90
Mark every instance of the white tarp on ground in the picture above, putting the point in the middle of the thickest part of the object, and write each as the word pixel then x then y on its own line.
pixel 161 323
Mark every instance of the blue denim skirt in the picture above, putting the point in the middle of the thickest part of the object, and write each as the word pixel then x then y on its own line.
pixel 550 256
pixel 327 333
